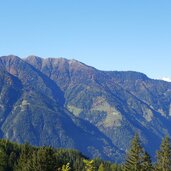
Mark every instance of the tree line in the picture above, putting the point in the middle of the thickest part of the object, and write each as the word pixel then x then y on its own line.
pixel 24 157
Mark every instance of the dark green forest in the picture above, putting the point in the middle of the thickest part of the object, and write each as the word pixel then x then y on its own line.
pixel 24 157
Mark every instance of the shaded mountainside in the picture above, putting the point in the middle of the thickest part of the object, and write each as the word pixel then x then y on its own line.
pixel 65 103
pixel 32 109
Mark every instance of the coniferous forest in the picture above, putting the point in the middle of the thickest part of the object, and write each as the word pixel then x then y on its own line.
pixel 15 157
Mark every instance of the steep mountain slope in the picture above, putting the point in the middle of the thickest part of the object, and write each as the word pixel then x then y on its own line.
pixel 117 103
pixel 65 103
pixel 32 109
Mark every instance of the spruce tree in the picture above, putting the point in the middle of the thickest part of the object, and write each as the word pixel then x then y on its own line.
pixel 134 157
pixel 164 156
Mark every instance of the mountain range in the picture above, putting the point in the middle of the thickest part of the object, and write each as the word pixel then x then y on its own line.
pixel 65 103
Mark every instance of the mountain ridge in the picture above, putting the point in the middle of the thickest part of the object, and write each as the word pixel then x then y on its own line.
pixel 116 104
pixel 38 96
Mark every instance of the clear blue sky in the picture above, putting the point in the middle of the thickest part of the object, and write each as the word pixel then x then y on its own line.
pixel 106 34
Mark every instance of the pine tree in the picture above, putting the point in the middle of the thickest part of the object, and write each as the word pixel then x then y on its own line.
pixel 3 160
pixel 33 164
pixel 101 167
pixel 45 159
pixel 164 156
pixel 134 156
pixel 89 165
pixel 146 163
pixel 25 156
pixel 12 160
pixel 66 167
pixel 116 167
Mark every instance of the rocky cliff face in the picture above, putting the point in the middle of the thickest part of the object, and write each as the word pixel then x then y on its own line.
pixel 65 103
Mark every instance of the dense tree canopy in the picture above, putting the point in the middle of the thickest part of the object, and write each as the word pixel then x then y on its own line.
pixel 15 157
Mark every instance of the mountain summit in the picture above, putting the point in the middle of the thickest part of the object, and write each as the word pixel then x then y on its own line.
pixel 65 103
